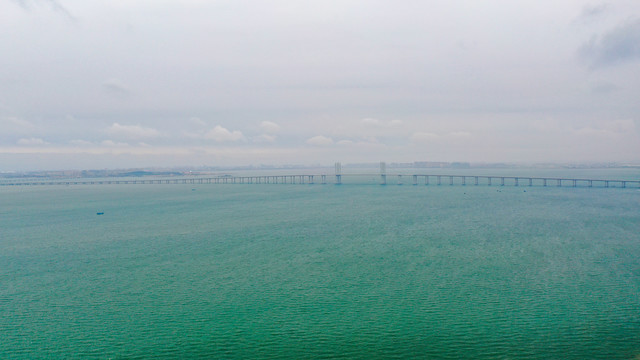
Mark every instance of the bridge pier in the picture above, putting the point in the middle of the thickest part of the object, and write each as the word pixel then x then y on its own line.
pixel 311 179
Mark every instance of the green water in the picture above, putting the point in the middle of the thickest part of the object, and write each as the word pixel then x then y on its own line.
pixel 319 271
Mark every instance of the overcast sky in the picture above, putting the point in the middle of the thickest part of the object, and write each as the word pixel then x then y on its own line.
pixel 120 83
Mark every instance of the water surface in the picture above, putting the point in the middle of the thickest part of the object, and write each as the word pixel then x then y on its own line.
pixel 319 271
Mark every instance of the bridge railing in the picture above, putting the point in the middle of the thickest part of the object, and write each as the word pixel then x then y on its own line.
pixel 383 179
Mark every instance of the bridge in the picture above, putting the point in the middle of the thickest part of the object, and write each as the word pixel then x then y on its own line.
pixel 339 179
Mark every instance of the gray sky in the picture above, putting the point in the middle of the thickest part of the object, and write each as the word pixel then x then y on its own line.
pixel 105 84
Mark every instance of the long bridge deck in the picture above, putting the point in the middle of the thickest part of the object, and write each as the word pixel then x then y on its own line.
pixel 383 179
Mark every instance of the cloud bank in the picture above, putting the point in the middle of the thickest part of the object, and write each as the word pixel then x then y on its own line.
pixel 212 83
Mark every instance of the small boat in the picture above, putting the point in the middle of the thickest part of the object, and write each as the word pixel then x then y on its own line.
pixel 100 213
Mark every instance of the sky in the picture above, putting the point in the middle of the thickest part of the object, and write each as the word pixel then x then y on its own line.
pixel 161 83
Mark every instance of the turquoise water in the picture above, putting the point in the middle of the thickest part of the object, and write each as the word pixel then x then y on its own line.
pixel 319 271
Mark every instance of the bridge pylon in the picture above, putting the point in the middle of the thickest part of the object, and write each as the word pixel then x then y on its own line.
pixel 338 168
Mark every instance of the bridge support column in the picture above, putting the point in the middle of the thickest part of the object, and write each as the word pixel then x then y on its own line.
pixel 415 179
pixel 399 179
pixel 476 181
pixel 516 179
pixel 439 179
pixel 450 180
pixel 501 181
pixel 426 180
pixel 464 180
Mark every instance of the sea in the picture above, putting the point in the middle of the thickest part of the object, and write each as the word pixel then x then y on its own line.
pixel 322 271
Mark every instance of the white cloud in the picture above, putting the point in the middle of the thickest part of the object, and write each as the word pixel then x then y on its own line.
pixel 609 129
pixel 16 125
pixel 53 4
pixel 621 126
pixel 197 121
pixel 618 45
pixel 422 137
pixel 380 123
pixel 320 141
pixel 460 134
pixel 221 134
pixel 115 87
pixel 269 127
pixel 111 143
pixel 80 142
pixel 31 141
pixel 370 121
pixel 17 122
pixel 132 131
pixel 264 138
